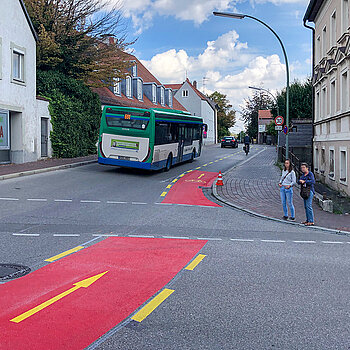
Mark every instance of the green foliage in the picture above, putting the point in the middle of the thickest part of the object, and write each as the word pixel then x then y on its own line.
pixel 270 129
pixel 75 114
pixel 226 115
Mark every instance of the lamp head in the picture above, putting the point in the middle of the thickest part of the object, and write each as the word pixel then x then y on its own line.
pixel 231 15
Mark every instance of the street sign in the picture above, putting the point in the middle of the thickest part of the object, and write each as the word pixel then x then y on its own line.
pixel 279 120
pixel 285 129
pixel 262 128
pixel 278 127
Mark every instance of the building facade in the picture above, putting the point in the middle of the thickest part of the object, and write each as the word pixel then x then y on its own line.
pixel 24 118
pixel 199 105
pixel 264 119
pixel 331 83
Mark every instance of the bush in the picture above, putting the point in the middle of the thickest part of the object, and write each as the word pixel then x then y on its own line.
pixel 75 114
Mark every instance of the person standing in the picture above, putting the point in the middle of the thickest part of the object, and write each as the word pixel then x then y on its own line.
pixel 307 192
pixel 287 181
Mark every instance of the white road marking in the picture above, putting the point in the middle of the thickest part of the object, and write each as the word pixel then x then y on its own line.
pixel 272 241
pixel 163 203
pixel 242 240
pixel 104 235
pixel 304 241
pixel 138 203
pixel 26 234
pixel 332 242
pixel 210 239
pixel 114 202
pixel 37 199
pixel 66 235
pixel 63 200
pixel 88 201
pixel 175 237
pixel 140 236
pixel 9 199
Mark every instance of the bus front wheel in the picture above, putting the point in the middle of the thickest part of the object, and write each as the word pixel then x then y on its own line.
pixel 169 163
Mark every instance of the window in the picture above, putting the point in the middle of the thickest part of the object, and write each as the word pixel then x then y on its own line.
pixel 139 90
pixel 317 106
pixel 343 165
pixel 323 160
pixel 162 96
pixel 333 31
pixel 166 133
pixel 134 71
pixel 332 98
pixel 125 120
pixel 128 87
pixel 324 42
pixel 324 102
pixel 344 91
pixel 345 15
pixel 170 98
pixel 316 159
pixel 116 87
pixel 17 65
pixel 154 93
pixel 331 163
pixel 184 93
pixel 188 135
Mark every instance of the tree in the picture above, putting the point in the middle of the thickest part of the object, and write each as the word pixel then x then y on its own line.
pixel 251 109
pixel 74 38
pixel 300 97
pixel 226 115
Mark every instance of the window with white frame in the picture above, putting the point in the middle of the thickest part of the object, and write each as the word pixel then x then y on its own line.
pixel 134 71
pixel 323 160
pixel 17 65
pixel 170 98
pixel 162 96
pixel 324 42
pixel 317 106
pixel 345 15
pixel 128 87
pixel 333 98
pixel 139 89
pixel 344 91
pixel 331 163
pixel 184 93
pixel 324 102
pixel 316 159
pixel 343 165
pixel 333 31
pixel 116 87
pixel 154 93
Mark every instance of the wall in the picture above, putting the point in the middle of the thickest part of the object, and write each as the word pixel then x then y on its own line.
pixel 192 103
pixel 208 115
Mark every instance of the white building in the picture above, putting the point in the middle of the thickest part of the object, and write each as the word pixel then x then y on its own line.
pixel 199 105
pixel 24 118
pixel 331 90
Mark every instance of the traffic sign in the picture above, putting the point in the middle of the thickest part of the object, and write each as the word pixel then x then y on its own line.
pixel 279 120
pixel 278 127
pixel 285 129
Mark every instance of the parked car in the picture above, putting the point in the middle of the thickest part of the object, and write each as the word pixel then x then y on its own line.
pixel 229 141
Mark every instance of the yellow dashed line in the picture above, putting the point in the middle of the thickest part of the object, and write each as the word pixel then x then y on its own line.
pixel 174 180
pixel 210 162
pixel 182 175
pixel 169 186
pixel 70 251
pixel 163 194
pixel 198 167
pixel 195 262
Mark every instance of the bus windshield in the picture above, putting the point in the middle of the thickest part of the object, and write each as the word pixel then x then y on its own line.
pixel 129 120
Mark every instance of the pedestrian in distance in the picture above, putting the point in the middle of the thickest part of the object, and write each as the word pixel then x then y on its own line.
pixel 307 192
pixel 287 181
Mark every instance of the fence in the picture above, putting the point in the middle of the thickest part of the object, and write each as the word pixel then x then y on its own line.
pixel 296 162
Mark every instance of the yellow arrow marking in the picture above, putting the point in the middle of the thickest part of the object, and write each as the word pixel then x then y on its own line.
pixel 82 284
pixel 200 176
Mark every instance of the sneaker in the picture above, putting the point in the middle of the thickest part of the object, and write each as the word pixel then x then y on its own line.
pixel 285 217
pixel 292 219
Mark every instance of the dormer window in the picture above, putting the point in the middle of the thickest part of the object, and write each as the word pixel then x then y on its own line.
pixel 139 90
pixel 116 87
pixel 128 87
pixel 154 94
pixel 162 96
pixel 134 71
pixel 170 97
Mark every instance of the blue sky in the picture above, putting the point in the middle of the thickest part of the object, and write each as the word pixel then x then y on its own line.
pixel 175 36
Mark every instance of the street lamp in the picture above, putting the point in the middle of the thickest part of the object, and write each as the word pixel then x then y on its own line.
pixel 269 92
pixel 241 16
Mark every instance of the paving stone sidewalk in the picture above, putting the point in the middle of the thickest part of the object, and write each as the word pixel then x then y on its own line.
pixel 254 186
pixel 7 169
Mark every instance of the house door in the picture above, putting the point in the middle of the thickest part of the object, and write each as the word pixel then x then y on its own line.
pixel 44 137
pixel 4 137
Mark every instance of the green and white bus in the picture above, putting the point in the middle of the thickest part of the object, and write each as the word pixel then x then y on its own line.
pixel 148 138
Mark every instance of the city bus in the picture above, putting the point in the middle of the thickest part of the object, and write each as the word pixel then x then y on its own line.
pixel 150 139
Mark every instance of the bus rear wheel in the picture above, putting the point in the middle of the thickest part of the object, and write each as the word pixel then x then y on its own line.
pixel 169 163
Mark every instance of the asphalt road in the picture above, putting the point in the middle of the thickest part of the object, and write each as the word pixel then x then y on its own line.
pixel 262 284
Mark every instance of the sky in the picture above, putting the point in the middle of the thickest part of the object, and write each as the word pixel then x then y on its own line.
pixel 179 38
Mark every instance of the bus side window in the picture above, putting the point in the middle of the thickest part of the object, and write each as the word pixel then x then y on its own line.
pixel 188 135
pixel 197 132
pixel 161 133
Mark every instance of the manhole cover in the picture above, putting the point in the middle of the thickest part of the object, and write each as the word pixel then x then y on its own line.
pixel 10 271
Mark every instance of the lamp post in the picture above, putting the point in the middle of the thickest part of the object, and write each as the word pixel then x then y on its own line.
pixel 241 16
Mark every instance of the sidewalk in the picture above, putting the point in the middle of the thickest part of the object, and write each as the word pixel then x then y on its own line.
pixel 254 186
pixel 13 170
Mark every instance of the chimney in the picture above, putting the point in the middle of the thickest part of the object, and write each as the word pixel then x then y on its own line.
pixel 195 84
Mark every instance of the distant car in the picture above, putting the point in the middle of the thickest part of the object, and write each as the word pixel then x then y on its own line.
pixel 229 141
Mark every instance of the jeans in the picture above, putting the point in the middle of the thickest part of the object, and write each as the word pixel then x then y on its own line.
pixel 308 208
pixel 287 197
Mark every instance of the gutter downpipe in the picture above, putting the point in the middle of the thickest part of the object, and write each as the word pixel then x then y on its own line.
pixel 313 91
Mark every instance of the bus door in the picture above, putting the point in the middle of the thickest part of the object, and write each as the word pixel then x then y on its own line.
pixel 181 142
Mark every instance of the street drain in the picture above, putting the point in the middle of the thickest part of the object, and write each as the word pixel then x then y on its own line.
pixel 10 271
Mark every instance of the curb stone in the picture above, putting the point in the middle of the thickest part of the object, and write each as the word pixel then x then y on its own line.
pixel 320 228
pixel 45 170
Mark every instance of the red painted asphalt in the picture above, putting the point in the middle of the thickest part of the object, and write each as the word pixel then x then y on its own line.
pixel 186 190
pixel 137 269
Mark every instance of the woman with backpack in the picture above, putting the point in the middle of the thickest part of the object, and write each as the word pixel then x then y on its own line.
pixel 287 181
pixel 307 191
